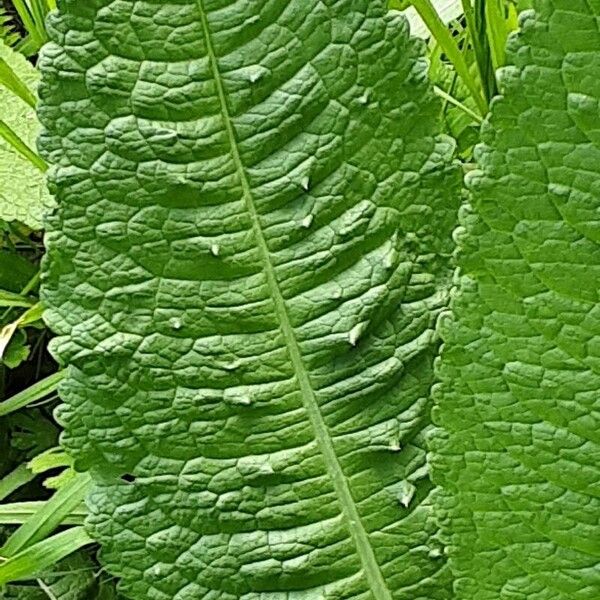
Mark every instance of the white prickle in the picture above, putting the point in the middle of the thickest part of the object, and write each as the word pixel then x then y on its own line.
pixel 355 333
pixel 406 493
pixel 176 323
pixel 307 221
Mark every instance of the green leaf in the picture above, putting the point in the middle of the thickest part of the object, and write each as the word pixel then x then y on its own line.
pixel 32 431
pixel 32 14
pixel 12 345
pixel 23 194
pixel 31 315
pixel 251 248
pixel 448 10
pixel 49 459
pixel 43 555
pixel 497 30
pixel 443 38
pixel 8 33
pixel 14 349
pixel 23 592
pixel 10 137
pixel 15 271
pixel 517 449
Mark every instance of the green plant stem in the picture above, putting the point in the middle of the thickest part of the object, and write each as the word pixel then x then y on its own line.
pixel 451 100
pixel 29 22
pixel 485 61
pixel 31 284
pixel 38 11
pixel 431 18
pixel 46 590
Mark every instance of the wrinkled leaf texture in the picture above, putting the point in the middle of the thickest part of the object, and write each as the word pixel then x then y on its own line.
pixel 250 252
pixel 518 447
pixel 23 193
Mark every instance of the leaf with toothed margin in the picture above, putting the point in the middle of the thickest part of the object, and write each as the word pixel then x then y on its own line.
pixel 517 448
pixel 250 252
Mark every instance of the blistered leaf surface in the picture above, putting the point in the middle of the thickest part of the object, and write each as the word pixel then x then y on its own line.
pixel 245 269
pixel 517 452
pixel 23 193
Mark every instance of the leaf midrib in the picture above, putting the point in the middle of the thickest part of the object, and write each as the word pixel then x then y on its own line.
pixel 359 535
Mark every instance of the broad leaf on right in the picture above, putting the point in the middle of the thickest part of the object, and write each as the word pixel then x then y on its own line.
pixel 517 449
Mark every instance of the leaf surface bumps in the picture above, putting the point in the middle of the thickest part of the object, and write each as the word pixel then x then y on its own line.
pixel 23 193
pixel 518 447
pixel 248 259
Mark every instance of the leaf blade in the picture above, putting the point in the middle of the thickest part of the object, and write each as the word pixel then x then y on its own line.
pixel 516 407
pixel 318 240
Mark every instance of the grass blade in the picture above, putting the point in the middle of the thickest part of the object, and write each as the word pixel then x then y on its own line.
pixel 497 31
pixel 21 147
pixel 28 21
pixel 13 299
pixel 14 480
pixel 11 81
pixel 451 100
pixel 475 18
pixel 53 512
pixel 30 562
pixel 443 37
pixel 38 11
pixel 33 393
pixel 18 513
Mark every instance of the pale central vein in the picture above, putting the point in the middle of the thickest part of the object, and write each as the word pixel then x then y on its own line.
pixel 340 483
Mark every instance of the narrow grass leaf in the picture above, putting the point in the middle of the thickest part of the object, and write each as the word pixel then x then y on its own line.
pixel 11 137
pixel 14 300
pixel 10 80
pixel 17 513
pixel 32 561
pixel 33 393
pixel 32 315
pixel 14 480
pixel 53 512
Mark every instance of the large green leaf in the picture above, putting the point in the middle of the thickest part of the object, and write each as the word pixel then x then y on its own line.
pixel 245 269
pixel 23 193
pixel 518 450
